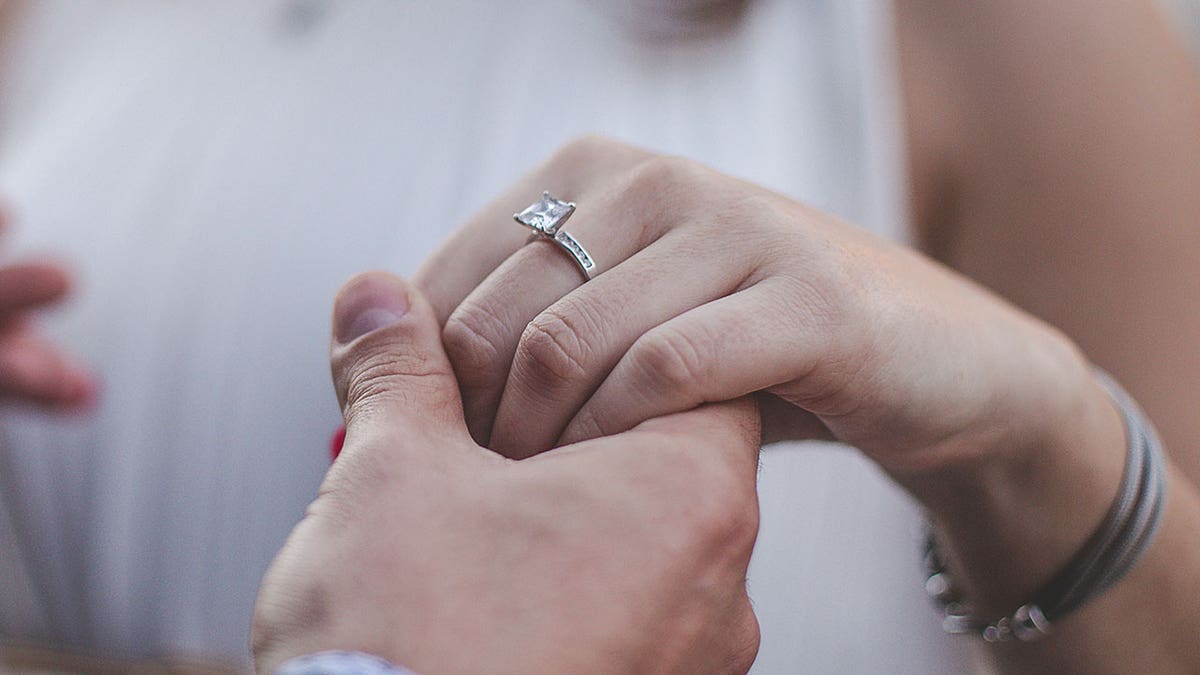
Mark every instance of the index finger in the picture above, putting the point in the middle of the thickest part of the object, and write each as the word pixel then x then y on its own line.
pixel 718 426
pixel 728 432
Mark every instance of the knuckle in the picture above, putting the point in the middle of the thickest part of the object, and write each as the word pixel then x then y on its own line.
pixel 670 360
pixel 385 377
pixel 554 349
pixel 379 372
pixel 752 221
pixel 472 341
pixel 748 638
pixel 712 526
pixel 814 304
pixel 837 332
pixel 744 530
pixel 725 511
pixel 729 522
pixel 660 192
pixel 589 160
pixel 293 608
pixel 666 171
pixel 669 181
pixel 582 149
pixel 825 275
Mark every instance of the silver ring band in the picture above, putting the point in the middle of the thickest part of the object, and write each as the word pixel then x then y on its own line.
pixel 545 217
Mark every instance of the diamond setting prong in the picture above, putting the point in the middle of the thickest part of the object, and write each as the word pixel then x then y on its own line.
pixel 545 215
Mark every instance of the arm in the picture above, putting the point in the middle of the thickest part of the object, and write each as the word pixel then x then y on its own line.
pixel 1055 154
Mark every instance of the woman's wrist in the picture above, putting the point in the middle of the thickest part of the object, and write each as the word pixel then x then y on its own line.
pixel 1112 550
pixel 1009 516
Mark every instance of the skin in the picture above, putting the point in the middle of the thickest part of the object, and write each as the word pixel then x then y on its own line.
pixel 982 411
pixel 1054 154
pixel 626 554
pixel 986 412
pixel 833 320
pixel 32 368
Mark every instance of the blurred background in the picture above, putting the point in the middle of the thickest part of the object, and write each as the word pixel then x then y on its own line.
pixel 1186 14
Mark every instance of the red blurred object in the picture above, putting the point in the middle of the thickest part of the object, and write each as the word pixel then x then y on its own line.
pixel 336 443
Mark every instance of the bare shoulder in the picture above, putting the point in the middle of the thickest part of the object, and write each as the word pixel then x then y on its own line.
pixel 8 13
pixel 1034 88
pixel 1054 153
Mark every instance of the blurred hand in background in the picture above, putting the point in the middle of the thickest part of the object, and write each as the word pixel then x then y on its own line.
pixel 32 368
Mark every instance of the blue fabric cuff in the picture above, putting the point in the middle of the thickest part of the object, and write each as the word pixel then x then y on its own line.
pixel 340 663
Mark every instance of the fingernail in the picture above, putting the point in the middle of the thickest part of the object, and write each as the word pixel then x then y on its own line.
pixel 369 303
pixel 336 443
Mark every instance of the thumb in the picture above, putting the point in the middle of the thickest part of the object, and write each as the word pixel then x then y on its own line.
pixel 389 368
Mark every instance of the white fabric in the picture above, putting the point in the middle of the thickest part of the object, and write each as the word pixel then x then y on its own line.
pixel 215 170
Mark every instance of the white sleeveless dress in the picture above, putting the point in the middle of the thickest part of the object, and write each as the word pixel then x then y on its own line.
pixel 214 171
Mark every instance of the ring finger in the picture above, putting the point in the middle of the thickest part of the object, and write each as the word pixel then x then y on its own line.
pixel 483 333
pixel 564 353
pixel 488 238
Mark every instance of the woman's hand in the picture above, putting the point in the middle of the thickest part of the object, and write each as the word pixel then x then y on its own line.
pixel 625 554
pixel 32 369
pixel 709 289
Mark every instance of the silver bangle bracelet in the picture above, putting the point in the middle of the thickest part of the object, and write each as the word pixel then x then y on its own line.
pixel 1112 550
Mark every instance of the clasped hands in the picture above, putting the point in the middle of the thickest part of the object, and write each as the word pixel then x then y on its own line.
pixel 620 541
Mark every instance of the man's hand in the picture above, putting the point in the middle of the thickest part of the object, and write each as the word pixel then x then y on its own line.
pixel 31 368
pixel 620 554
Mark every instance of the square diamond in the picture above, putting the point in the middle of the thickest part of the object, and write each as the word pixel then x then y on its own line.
pixel 545 215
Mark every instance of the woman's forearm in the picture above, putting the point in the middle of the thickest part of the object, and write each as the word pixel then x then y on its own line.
pixel 1064 135
pixel 1010 522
